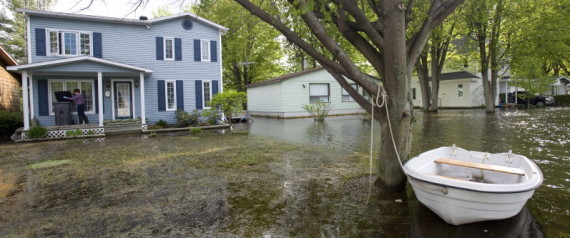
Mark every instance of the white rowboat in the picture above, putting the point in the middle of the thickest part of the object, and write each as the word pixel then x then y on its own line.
pixel 463 186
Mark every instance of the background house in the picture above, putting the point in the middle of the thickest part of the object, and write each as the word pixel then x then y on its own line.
pixel 283 97
pixel 9 84
pixel 126 68
pixel 459 89
pixel 560 87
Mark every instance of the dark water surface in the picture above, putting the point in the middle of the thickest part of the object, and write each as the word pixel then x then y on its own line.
pixel 542 135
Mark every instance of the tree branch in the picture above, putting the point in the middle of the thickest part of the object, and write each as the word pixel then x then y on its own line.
pixel 362 20
pixel 437 13
pixel 290 35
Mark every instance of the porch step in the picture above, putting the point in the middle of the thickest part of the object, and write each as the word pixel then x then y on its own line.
pixel 122 122
pixel 122 126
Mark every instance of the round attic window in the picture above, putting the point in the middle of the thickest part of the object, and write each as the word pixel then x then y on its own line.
pixel 187 24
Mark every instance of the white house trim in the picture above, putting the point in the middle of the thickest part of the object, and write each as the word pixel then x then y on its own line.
pixel 119 20
pixel 164 48
pixel 31 85
pixel 26 102
pixel 133 103
pixel 166 82
pixel 143 103
pixel 100 98
pixel 74 60
pixel 203 98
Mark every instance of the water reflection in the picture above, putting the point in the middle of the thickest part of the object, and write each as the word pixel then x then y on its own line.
pixel 426 224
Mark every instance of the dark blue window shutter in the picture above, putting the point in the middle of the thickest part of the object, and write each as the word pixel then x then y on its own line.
pixel 197 51
pixel 180 94
pixel 41 42
pixel 177 49
pixel 214 87
pixel 97 45
pixel 161 95
pixel 159 48
pixel 199 94
pixel 43 97
pixel 214 51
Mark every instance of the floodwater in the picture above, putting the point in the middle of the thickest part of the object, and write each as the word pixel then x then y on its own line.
pixel 246 185
pixel 540 134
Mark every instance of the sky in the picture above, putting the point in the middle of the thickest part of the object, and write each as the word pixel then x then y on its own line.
pixel 117 8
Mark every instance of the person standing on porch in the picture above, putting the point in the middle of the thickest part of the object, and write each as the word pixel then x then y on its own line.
pixel 80 102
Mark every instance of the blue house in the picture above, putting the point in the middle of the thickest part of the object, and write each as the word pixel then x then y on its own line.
pixel 127 69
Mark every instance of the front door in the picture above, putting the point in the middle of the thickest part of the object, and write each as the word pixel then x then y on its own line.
pixel 123 104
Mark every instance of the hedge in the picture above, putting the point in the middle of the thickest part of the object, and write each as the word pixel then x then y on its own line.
pixel 9 122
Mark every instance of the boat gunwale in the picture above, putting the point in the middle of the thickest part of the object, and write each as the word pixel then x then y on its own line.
pixel 535 177
pixel 473 190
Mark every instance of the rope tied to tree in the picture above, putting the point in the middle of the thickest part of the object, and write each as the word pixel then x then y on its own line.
pixel 375 103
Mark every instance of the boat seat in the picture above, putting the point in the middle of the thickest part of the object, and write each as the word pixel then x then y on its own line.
pixel 495 168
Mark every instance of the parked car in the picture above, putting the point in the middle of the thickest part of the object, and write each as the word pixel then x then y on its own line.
pixel 536 100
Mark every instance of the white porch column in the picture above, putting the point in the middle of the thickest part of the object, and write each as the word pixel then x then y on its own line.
pixel 143 103
pixel 101 95
pixel 26 100
pixel 31 86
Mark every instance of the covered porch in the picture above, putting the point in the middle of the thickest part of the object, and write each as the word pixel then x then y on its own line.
pixel 112 91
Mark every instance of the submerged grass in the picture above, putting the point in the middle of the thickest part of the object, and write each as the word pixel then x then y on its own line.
pixel 198 185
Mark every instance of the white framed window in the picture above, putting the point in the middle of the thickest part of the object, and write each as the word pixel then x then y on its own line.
pixel 86 86
pixel 460 90
pixel 69 43
pixel 319 92
pixel 345 96
pixel 206 93
pixel 168 48
pixel 205 50
pixel 170 95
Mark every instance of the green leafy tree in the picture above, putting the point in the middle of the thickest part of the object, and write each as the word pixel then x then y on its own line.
pixel 531 77
pixel 228 102
pixel 375 30
pixel 13 26
pixel 252 49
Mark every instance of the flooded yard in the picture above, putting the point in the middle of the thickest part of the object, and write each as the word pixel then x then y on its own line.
pixel 286 178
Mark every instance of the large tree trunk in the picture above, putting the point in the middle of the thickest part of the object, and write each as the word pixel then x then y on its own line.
pixel 391 176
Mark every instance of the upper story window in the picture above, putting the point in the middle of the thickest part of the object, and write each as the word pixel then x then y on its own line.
pixel 61 42
pixel 205 50
pixel 168 48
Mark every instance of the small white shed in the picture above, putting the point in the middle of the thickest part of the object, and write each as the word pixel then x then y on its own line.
pixel 283 97
pixel 456 90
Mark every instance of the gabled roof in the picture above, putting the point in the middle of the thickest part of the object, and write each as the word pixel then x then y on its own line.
pixel 283 77
pixel 75 60
pixel 457 75
pixel 7 58
pixel 563 79
pixel 119 20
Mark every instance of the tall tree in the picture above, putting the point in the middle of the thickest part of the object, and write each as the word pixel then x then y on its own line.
pixel 485 19
pixel 252 49
pixel 376 29
pixel 13 30
pixel 437 47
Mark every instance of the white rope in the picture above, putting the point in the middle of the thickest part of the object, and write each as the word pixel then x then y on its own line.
pixel 374 103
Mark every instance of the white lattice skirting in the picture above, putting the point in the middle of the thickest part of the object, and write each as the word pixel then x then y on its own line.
pixel 64 133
